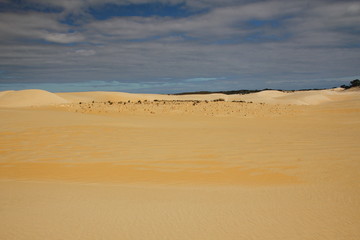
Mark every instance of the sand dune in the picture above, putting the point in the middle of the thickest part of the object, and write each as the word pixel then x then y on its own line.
pixel 270 165
pixel 121 96
pixel 270 96
pixel 26 98
pixel 312 97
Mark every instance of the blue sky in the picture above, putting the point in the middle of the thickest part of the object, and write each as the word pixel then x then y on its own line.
pixel 168 46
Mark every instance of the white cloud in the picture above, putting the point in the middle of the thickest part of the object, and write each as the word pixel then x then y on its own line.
pixel 354 8
pixel 35 26
pixel 85 52
pixel 201 79
pixel 216 24
pixel 14 26
pixel 63 37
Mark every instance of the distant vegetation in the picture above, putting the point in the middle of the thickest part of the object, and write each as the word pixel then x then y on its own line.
pixel 353 83
pixel 224 92
pixel 241 92
pixel 219 100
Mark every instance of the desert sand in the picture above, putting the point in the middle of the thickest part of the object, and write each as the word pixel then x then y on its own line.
pixel 109 165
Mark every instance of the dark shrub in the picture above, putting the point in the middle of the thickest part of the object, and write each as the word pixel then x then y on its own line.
pixel 355 83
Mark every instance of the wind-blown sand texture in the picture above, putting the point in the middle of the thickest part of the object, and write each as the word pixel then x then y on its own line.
pixel 107 165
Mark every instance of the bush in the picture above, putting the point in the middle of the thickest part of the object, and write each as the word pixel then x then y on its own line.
pixel 355 83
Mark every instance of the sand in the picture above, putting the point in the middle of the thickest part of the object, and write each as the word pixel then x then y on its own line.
pixel 103 165
pixel 31 97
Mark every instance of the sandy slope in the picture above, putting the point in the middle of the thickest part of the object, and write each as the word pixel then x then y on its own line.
pixel 181 170
pixel 25 98
pixel 270 96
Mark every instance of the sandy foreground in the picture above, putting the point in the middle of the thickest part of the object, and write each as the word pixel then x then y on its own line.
pixel 106 165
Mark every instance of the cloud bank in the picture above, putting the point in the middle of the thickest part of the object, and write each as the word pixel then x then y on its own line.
pixel 220 45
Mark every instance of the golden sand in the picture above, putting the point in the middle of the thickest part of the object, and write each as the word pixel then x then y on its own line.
pixel 104 165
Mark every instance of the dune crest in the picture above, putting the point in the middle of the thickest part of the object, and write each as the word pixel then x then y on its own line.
pixel 311 97
pixel 27 98
pixel 35 97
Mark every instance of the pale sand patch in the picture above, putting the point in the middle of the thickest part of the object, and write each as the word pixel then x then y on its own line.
pixel 270 96
pixel 281 172
pixel 31 210
pixel 32 97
